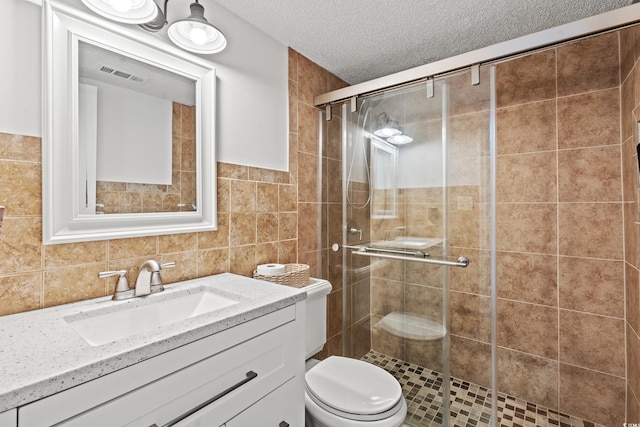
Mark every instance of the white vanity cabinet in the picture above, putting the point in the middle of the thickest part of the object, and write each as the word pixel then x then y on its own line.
pixel 247 375
pixel 9 418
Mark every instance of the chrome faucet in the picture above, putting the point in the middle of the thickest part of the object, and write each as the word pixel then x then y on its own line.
pixel 143 282
pixel 148 281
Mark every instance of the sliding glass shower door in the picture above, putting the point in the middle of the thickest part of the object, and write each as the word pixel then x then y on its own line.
pixel 417 189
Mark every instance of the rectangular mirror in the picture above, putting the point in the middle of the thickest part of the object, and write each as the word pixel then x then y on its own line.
pixel 128 138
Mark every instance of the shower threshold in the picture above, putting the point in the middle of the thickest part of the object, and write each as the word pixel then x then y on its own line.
pixel 470 403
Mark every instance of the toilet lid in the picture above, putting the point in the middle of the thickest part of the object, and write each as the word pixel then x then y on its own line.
pixel 353 387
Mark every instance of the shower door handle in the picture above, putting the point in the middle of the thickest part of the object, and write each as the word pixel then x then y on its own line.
pixel 460 262
pixel 417 256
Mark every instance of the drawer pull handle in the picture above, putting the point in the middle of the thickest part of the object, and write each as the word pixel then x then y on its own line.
pixel 249 376
pixel 283 424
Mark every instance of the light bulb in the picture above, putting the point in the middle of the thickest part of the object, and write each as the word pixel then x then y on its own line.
pixel 198 36
pixel 121 5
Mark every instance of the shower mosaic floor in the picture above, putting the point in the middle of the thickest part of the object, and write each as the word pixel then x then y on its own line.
pixel 471 404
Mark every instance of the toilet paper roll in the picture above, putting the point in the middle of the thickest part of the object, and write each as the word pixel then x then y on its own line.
pixel 270 269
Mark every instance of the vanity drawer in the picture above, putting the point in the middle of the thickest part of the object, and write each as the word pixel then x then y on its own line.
pixel 237 377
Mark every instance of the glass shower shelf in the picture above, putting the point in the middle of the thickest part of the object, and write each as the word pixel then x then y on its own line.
pixel 412 326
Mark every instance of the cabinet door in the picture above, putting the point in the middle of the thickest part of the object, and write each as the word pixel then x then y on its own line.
pixel 283 407
pixel 9 418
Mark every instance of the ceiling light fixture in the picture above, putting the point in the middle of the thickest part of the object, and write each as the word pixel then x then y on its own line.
pixel 194 33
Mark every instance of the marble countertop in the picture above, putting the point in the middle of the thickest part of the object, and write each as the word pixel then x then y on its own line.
pixel 40 354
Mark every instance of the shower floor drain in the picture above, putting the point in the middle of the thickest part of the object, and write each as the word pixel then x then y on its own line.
pixel 470 403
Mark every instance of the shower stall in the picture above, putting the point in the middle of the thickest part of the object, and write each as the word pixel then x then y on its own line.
pixel 416 250
pixel 480 232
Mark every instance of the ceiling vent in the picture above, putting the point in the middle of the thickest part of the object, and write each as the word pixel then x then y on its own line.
pixel 122 74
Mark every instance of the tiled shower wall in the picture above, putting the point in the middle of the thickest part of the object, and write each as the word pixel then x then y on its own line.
pixel 258 211
pixel 559 229
pixel 630 74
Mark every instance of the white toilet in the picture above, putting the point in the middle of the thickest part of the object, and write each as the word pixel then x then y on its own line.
pixel 343 392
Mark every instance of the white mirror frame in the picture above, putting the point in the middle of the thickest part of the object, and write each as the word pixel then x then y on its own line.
pixel 63 26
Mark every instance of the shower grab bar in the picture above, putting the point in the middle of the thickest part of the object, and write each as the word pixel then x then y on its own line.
pixel 400 252
pixel 461 262
pixel 417 256
pixel 335 247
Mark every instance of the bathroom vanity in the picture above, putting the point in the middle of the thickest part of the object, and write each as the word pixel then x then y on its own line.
pixel 239 363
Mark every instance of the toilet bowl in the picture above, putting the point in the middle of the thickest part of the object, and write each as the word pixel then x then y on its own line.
pixel 344 392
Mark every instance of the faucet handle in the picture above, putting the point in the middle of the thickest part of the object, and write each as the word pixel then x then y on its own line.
pixel 168 265
pixel 122 285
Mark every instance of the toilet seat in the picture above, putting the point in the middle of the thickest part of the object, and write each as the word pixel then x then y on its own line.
pixel 354 389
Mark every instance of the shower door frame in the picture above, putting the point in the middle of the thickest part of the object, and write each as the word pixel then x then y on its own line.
pixel 348 346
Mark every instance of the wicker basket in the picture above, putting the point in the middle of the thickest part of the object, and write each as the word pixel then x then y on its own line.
pixel 295 275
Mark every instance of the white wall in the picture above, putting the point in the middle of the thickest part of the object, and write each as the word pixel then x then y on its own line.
pixel 20 74
pixel 252 78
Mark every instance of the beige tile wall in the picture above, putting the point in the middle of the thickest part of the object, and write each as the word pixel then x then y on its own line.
pixel 258 211
pixel 256 223
pixel 630 74
pixel 561 313
pixel 319 197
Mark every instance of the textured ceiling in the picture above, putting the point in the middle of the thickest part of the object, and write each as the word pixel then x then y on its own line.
pixel 359 40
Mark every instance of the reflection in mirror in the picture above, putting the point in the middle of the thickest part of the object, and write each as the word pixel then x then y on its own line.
pixel 384 160
pixel 136 135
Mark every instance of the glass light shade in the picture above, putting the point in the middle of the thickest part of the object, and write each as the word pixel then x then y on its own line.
pixel 400 139
pixel 125 11
pixel 195 34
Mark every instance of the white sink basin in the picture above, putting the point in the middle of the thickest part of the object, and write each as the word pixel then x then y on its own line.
pixel 121 320
pixel 410 243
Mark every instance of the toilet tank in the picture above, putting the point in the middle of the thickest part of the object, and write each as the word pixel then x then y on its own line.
pixel 316 316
